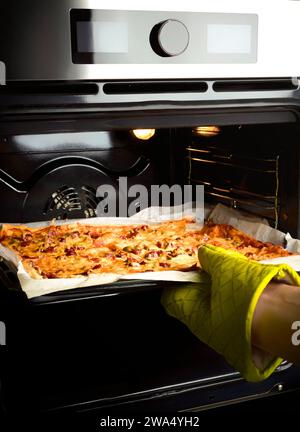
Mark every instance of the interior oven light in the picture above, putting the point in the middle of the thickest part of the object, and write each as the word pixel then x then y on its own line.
pixel 207 131
pixel 143 134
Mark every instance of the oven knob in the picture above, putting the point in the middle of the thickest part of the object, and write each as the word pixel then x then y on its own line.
pixel 169 38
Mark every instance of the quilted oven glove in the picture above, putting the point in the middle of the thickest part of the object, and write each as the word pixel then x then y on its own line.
pixel 219 310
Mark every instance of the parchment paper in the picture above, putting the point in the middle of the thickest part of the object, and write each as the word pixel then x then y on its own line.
pixel 37 287
pixel 259 229
pixel 254 226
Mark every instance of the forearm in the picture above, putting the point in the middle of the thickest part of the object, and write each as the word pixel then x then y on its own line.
pixel 276 311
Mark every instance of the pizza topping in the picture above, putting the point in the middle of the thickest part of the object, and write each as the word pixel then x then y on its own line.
pixel 74 250
pixel 70 251
pixel 153 254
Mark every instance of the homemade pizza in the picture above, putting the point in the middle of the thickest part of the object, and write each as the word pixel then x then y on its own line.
pixel 77 249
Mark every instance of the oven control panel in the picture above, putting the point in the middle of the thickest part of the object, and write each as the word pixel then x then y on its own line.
pixel 146 37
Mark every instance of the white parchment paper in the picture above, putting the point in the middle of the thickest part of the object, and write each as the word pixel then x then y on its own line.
pixel 259 229
pixel 254 226
pixel 37 287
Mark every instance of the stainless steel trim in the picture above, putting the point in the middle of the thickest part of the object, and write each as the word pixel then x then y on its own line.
pixel 37 46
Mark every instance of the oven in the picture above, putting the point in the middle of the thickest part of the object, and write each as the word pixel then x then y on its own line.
pixel 67 116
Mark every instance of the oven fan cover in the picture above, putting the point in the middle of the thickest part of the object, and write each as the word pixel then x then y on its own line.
pixel 66 188
pixel 68 192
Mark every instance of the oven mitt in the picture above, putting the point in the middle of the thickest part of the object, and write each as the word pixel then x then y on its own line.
pixel 219 309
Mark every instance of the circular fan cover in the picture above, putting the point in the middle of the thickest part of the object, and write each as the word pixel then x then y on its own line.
pixel 68 192
pixel 68 199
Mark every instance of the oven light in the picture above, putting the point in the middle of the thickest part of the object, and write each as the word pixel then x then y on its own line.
pixel 143 134
pixel 207 131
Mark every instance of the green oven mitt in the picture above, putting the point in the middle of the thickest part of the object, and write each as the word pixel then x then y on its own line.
pixel 219 310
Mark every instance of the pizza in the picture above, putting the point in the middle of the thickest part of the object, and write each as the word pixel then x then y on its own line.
pixel 78 249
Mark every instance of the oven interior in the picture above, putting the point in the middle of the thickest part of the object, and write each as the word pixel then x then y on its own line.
pixel 46 176
pixel 109 345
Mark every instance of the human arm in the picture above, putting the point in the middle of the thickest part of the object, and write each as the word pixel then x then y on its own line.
pixel 272 326
pixel 229 310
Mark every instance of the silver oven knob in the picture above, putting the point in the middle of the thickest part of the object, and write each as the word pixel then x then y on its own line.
pixel 169 38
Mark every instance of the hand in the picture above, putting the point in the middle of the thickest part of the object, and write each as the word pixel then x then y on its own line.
pixel 276 320
pixel 219 310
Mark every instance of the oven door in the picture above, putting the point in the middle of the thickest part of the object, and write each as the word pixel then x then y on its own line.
pixel 114 349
